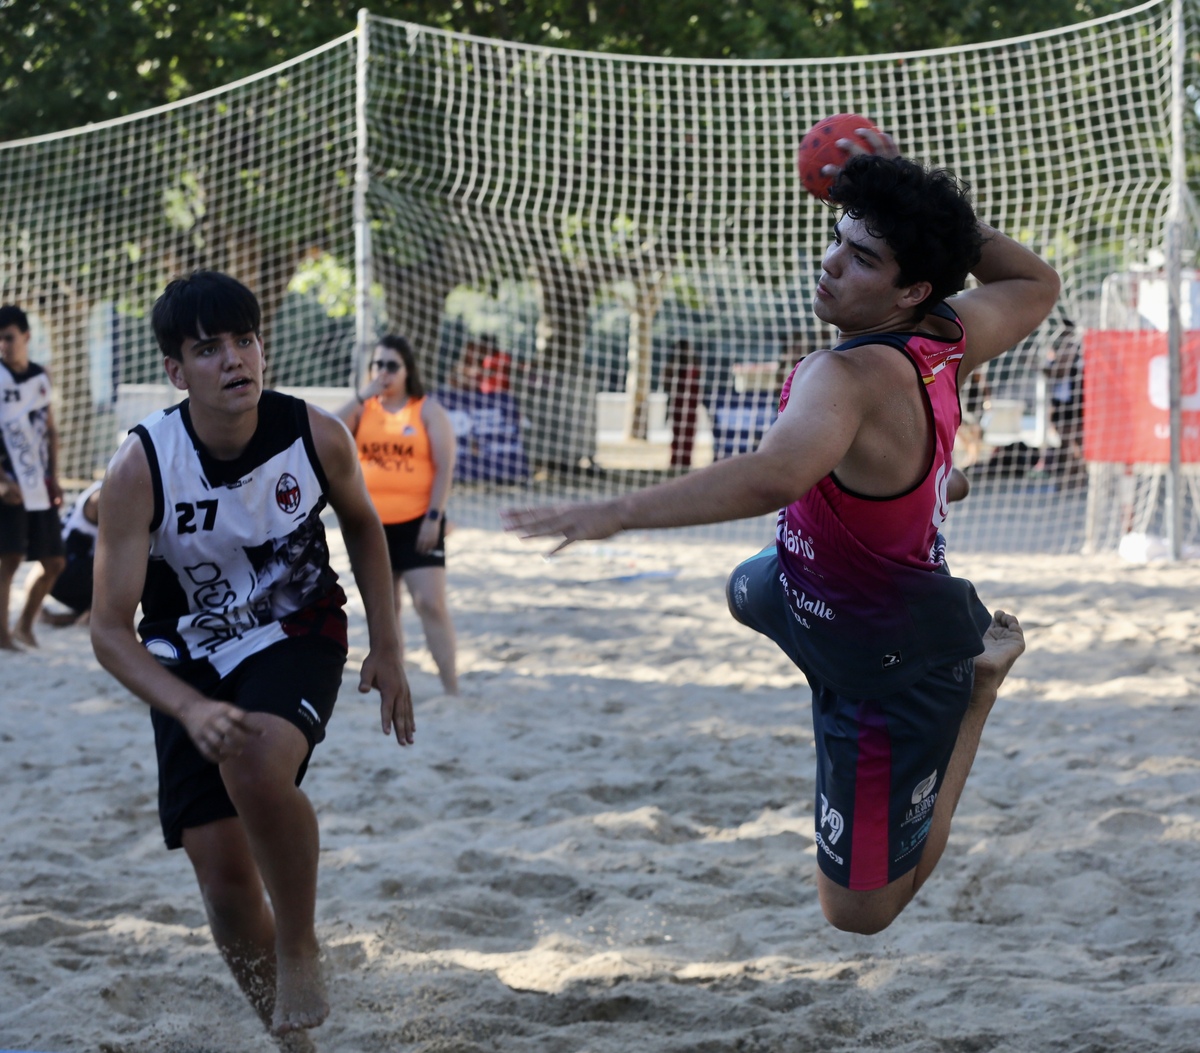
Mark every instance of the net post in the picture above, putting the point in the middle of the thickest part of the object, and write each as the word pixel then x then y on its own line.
pixel 1176 211
pixel 362 228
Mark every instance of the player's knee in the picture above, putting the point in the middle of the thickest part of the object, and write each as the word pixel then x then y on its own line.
pixel 230 901
pixel 230 889
pixel 858 921
pixel 862 912
pixel 256 788
pixel 429 608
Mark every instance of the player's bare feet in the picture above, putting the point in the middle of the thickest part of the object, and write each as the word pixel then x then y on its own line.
pixel 1003 644
pixel 24 635
pixel 300 997
pixel 7 643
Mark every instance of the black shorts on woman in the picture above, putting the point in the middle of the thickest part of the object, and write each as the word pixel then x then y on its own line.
pixel 402 545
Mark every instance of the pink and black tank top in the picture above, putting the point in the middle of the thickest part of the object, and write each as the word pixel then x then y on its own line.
pixel 866 576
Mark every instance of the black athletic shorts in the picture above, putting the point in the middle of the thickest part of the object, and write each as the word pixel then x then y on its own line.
pixel 36 535
pixel 73 587
pixel 296 679
pixel 402 545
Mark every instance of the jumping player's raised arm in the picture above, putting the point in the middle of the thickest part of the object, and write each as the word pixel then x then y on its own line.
pixel 367 549
pixel 219 730
pixel 1017 291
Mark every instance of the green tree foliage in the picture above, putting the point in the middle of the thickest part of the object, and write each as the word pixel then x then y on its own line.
pixel 65 63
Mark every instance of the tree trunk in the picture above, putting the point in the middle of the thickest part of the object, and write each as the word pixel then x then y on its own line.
pixel 415 301
pixel 648 298
pixel 558 395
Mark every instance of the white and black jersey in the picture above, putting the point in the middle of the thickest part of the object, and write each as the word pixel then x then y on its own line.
pixel 77 521
pixel 24 432
pixel 238 556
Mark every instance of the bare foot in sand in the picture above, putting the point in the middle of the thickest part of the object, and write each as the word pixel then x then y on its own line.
pixel 1003 644
pixel 23 635
pixel 7 643
pixel 300 997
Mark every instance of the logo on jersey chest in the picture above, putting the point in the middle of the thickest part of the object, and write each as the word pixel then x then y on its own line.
pixel 287 493
pixel 793 542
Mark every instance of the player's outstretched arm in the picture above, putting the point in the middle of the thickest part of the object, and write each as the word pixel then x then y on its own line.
pixel 367 549
pixel 830 397
pixel 220 731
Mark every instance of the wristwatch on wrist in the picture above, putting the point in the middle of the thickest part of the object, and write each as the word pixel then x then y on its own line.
pixel 433 514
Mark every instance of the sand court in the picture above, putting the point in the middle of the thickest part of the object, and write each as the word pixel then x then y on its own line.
pixel 605 844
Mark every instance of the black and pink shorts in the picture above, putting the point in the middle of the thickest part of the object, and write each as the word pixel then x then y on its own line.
pixel 880 761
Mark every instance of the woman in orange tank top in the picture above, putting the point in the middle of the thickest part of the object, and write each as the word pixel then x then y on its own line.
pixel 406 448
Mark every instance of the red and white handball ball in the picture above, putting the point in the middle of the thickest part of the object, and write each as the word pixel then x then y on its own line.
pixel 819 148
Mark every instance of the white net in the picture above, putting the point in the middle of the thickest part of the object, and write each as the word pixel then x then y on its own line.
pixel 548 226
pixel 255 179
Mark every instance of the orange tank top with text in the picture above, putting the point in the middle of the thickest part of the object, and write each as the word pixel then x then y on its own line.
pixel 397 465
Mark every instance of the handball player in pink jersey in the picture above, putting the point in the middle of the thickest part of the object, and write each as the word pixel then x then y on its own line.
pixel 903 659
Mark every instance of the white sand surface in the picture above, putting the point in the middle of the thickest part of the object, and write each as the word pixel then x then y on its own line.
pixel 605 844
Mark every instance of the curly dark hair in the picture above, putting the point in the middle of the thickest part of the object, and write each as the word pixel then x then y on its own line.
pixel 923 214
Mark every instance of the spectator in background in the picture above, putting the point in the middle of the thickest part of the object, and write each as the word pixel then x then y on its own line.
pixel 467 371
pixel 1063 370
pixel 406 446
pixel 482 367
pixel 495 368
pixel 684 383
pixel 972 397
pixel 29 489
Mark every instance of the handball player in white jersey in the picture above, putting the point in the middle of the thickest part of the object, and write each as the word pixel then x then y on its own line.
pixel 210 520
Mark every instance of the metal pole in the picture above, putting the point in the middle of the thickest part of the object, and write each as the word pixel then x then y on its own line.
pixel 1176 218
pixel 363 334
